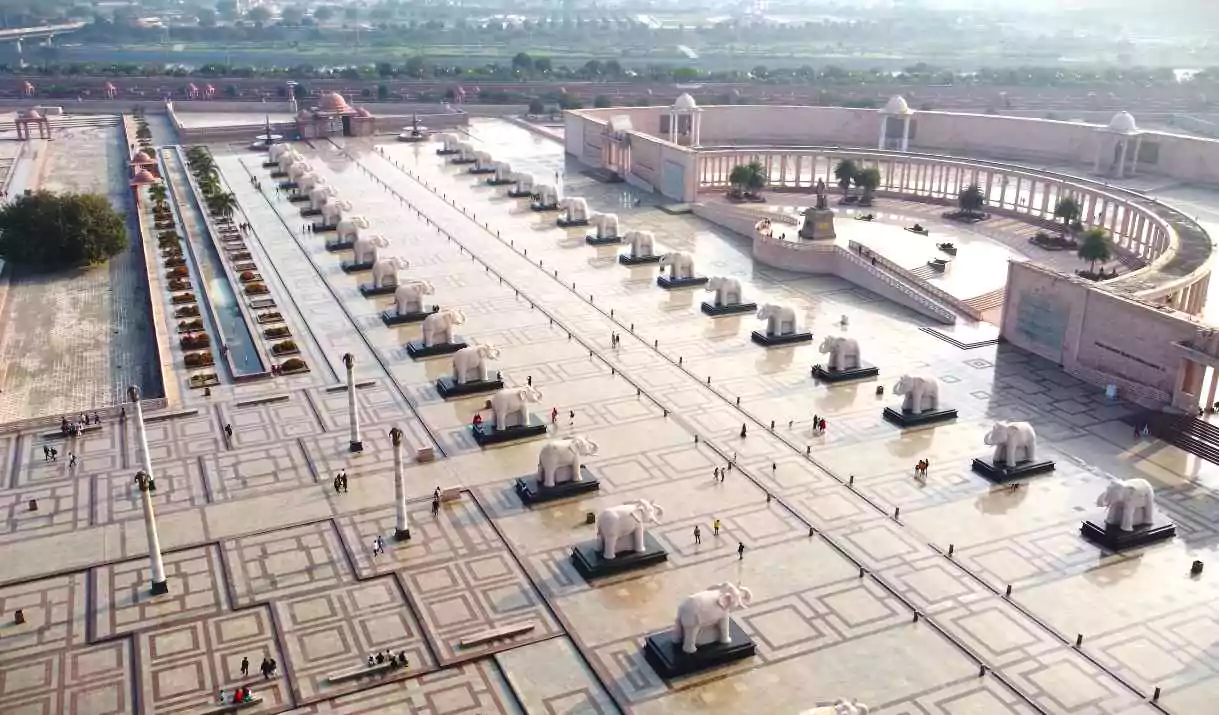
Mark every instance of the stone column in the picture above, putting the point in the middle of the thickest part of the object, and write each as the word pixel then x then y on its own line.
pixel 1121 162
pixel 402 524
pixel 349 362
pixel 1210 397
pixel 144 481
pixel 884 124
pixel 906 134
pixel 1134 160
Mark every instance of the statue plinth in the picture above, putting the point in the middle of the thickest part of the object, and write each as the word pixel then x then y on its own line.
pixel 818 224
pixel 1001 472
pixel 1111 537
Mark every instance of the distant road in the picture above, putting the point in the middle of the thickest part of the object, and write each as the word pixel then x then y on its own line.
pixel 688 52
pixel 40 31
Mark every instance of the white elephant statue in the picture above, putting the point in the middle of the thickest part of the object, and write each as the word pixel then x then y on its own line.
pixel 843 352
pixel 643 243
pixel 563 455
pixel 449 142
pixel 365 248
pixel 574 208
pixel 546 195
pixel 483 161
pixel 524 182
pixel 349 228
pixel 320 195
pixel 277 150
pixel 780 319
pixel 438 327
pixel 1014 442
pixel 704 617
pixel 1131 503
pixel 607 225
pixel 289 158
pixel 465 152
pixel 727 290
pixel 409 296
pixel 621 528
pixel 470 363
pixel 385 271
pixel 511 406
pixel 299 169
pixel 503 171
pixel 332 211
pixel 922 393
pixel 307 183
pixel 679 263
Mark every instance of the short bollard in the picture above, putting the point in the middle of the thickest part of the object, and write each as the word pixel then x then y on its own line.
pixel 897 512
pixel 1155 697
pixel 851 481
pixel 951 548
pixel 1079 639
pixel 19 616
pixel 590 517
pixel 1007 592
pixel 33 505
pixel 1195 569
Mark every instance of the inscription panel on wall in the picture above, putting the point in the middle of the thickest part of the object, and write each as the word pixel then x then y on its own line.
pixel 1041 322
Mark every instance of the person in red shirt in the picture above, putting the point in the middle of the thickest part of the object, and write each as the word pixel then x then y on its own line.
pixel 478 420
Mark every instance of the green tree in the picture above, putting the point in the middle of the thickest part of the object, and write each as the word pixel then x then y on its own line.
pixel 258 14
pixel 601 101
pixel 292 15
pixel 1069 210
pixel 158 193
pixel 1095 245
pixel 382 91
pixel 227 9
pixel 971 199
pixel 846 171
pixel 868 179
pixel 206 16
pixel 748 178
pixel 542 65
pixel 536 107
pixel 222 203
pixel 49 230
pixel 322 13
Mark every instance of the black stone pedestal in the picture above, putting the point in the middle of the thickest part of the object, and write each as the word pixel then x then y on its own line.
pixel 270 164
pixel 160 588
pixel 277 174
pixel 627 259
pixel 446 152
pixel 587 558
pixel 484 171
pixel 369 290
pixel 298 198
pixel 355 446
pixel 904 418
pixel 540 207
pixel 773 341
pixel 402 534
pixel 862 372
pixel 716 311
pixel 355 266
pixel 448 387
pixel 392 317
pixel 519 194
pixel 287 185
pixel 307 212
pixel 569 223
pixel 463 160
pixel 343 245
pixel 324 227
pixel 486 434
pixel 1114 539
pixel 499 182
pixel 670 283
pixel 531 491
pixel 664 652
pixel 418 351
pixel 593 240
pixel 999 472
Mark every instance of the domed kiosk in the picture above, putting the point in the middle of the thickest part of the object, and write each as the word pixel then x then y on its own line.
pixel 895 120
pixel 685 121
pixel 1113 142
pixel 333 115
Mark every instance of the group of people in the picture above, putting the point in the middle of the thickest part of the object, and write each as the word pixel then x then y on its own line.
pixel 255 183
pixel 75 427
pixel 242 694
pixel 615 340
pixel 436 501
pixel 340 482
pixel 819 425
pixel 554 416
pixel 920 468
pixel 388 656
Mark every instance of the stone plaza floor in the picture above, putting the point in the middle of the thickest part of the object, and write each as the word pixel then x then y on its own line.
pixel 867 583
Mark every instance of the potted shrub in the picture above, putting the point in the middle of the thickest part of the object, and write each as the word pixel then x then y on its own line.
pixel 187 311
pixel 205 379
pixel 277 332
pixel 178 272
pixel 293 365
pixel 175 262
pixel 240 256
pixel 188 326
pixel 270 317
pixel 285 347
pixel 184 298
pixel 256 288
pixel 195 341
pixel 179 284
pixel 248 276
pixel 203 359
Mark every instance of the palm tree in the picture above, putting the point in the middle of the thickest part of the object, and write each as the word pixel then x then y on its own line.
pixel 222 204
pixel 1096 245
pixel 1069 210
pixel 158 193
pixel 867 179
pixel 845 172
pixel 747 178
pixel 971 200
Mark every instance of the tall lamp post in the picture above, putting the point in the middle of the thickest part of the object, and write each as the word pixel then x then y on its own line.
pixel 402 525
pixel 147 485
pixel 357 445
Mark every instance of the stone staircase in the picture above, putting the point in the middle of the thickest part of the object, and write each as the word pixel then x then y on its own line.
pixel 1199 438
pixel 987 301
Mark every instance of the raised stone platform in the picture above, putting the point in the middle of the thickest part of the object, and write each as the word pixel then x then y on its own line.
pixel 418 351
pixel 531 491
pixel 298 198
pixel 392 317
pixel 519 194
pixel 355 266
pixel 324 227
pixel 862 372
pixel 1000 472
pixel 287 185
pixel 717 311
pixel 664 652
pixel 905 418
pixel 449 387
pixel 587 558
pixel 340 245
pixel 605 241
pixel 671 283
pixel 499 182
pixel 569 223
pixel 627 259
pixel 541 207
pixel 486 434
pixel 463 160
pixel 368 290
pixel 308 212
pixel 1112 538
pixel 482 171
pixel 773 341
pixel 447 152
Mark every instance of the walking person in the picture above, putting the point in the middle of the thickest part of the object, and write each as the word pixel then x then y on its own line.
pixel 715 528
pixel 46 453
pixel 245 667
pixel 554 415
pixel 228 431
pixel 716 474
pixel 343 475
pixel 71 460
pixel 435 505
pixel 529 380
pixel 571 418
pixel 338 484
pixel 740 550
pixel 698 535
pixel 743 433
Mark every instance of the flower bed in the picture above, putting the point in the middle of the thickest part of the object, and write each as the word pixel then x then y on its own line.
pixel 205 379
pixel 249 277
pixel 190 326
pixel 1053 242
pixel 194 341
pixel 179 284
pixel 187 311
pixel 246 266
pixel 240 256
pixel 175 262
pixel 271 317
pixel 292 366
pixel 285 347
pixel 183 298
pixel 277 332
pixel 965 216
pixel 201 359
pixel 256 289
pixel 178 272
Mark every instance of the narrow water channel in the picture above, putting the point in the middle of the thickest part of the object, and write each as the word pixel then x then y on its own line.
pixel 217 290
